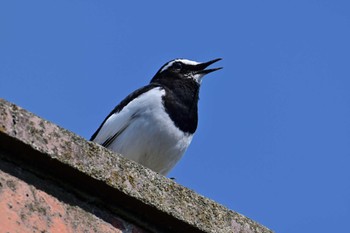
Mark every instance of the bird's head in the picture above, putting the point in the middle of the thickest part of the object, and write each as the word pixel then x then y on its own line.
pixel 184 69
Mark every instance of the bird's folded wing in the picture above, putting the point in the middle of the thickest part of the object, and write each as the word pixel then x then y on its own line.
pixel 119 119
pixel 115 136
pixel 114 126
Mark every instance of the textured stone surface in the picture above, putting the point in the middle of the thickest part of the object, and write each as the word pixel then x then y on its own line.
pixel 127 188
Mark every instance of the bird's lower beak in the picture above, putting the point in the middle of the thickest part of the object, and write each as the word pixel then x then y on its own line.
pixel 201 67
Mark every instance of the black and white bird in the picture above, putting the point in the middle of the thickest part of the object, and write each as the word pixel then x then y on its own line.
pixel 155 124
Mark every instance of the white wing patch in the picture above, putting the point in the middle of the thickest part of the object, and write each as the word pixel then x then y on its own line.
pixel 118 121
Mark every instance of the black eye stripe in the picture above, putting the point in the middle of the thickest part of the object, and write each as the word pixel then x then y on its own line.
pixel 177 66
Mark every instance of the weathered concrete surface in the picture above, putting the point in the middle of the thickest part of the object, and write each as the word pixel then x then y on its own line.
pixel 129 190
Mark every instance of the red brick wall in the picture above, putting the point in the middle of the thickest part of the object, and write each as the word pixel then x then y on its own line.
pixel 32 204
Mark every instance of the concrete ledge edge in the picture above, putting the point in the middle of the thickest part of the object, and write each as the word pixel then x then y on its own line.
pixel 132 185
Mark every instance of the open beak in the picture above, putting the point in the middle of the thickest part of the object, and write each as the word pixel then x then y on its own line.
pixel 200 68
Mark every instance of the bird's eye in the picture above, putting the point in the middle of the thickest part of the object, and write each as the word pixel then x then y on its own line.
pixel 177 66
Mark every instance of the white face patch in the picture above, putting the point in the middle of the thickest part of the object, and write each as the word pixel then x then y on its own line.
pixel 198 78
pixel 184 61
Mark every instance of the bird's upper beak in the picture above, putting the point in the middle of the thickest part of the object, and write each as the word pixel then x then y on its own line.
pixel 200 68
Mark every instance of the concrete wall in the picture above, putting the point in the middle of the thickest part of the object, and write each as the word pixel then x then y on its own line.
pixel 52 180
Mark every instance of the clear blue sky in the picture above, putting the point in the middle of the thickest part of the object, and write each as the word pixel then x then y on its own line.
pixel 273 141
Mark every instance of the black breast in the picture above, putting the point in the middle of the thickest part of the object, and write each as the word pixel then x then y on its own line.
pixel 181 103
